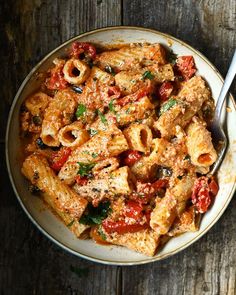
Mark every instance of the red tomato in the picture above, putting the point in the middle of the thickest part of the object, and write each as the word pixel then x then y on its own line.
pixel 121 227
pixel 59 158
pixel 114 92
pixel 186 66
pixel 83 47
pixel 56 81
pixel 133 210
pixel 160 183
pixel 165 90
pixel 204 190
pixel 135 96
pixel 130 157
pixel 81 180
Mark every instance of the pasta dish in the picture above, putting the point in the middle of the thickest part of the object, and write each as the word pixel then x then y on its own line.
pixel 115 142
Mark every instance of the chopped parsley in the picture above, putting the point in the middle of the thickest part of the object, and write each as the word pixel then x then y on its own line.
pixel 180 177
pixel 147 75
pixel 187 157
pixel 111 106
pixel 102 117
pixel 172 57
pixel 92 132
pixel 110 70
pixel 37 120
pixel 80 110
pixel 168 105
pixel 80 272
pixel 94 155
pixel 95 215
pixel 85 168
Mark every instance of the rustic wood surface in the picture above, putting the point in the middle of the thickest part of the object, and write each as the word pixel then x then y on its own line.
pixel 29 262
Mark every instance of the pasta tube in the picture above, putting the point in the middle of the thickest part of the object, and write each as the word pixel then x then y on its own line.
pixel 105 144
pixel 80 67
pixel 73 135
pixel 199 144
pixel 58 114
pixel 63 200
pixel 172 205
pixel 139 137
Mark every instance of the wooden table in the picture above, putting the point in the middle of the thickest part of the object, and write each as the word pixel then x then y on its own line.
pixel 32 264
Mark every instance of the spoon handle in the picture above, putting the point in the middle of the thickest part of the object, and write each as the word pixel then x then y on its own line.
pixel 227 83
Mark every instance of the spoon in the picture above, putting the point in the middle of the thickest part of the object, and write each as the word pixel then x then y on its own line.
pixel 215 127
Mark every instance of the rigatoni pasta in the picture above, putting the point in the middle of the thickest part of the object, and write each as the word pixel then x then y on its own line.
pixel 115 142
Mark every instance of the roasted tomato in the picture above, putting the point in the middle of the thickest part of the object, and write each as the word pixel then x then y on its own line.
pixel 186 67
pixel 133 210
pixel 59 158
pixel 83 47
pixel 165 91
pixel 135 96
pixel 81 180
pixel 121 227
pixel 130 157
pixel 204 190
pixel 56 80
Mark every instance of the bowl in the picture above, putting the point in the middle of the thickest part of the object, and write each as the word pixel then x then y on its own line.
pixel 48 223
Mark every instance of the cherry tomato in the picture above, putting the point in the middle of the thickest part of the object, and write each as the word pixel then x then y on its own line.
pixel 59 158
pixel 165 90
pixel 130 157
pixel 204 190
pixel 133 210
pixel 114 92
pixel 81 180
pixel 121 227
pixel 160 183
pixel 185 66
pixel 83 47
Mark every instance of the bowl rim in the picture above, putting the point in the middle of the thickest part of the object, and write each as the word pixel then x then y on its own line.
pixel 57 242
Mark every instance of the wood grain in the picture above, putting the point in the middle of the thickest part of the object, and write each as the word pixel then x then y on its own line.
pixel 29 262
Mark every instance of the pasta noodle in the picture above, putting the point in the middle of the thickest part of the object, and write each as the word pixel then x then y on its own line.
pixel 115 140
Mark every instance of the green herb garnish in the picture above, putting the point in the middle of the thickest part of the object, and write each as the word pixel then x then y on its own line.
pixel 37 120
pixel 102 117
pixel 168 105
pixel 172 57
pixel 71 223
pixel 147 75
pixel 111 106
pixel 101 233
pixel 94 155
pixel 80 272
pixel 92 132
pixel 95 215
pixel 110 70
pixel 85 169
pixel 80 110
pixel 187 157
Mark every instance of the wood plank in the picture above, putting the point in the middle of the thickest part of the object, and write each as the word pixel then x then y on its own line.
pixel 31 29
pixel 29 262
pixel 208 266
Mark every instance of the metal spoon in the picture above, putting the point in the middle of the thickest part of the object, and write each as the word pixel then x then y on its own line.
pixel 215 127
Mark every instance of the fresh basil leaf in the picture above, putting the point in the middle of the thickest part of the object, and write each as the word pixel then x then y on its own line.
pixel 80 110
pixel 95 215
pixel 168 105
pixel 85 168
pixel 147 75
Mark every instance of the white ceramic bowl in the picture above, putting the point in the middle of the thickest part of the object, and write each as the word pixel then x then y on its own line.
pixel 56 230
